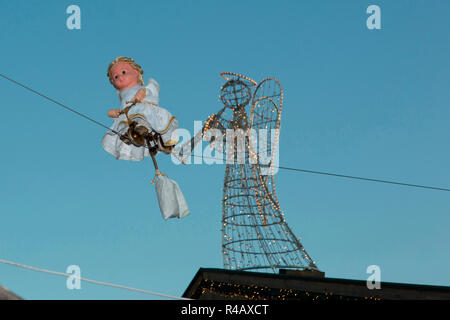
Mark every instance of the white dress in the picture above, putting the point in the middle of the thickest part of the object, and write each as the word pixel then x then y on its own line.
pixel 147 113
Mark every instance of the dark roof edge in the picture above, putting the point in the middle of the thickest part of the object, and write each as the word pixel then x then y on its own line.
pixel 200 275
pixel 195 279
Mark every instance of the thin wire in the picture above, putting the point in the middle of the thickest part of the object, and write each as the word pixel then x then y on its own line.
pixel 280 167
pixel 346 176
pixel 15 264
pixel 367 179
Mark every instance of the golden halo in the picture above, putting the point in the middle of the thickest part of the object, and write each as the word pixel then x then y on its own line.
pixel 230 75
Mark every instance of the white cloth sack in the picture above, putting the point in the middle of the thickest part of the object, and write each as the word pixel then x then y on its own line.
pixel 171 201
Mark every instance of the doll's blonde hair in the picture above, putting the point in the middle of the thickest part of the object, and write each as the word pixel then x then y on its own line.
pixel 131 62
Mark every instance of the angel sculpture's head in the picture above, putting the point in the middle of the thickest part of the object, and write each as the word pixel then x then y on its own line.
pixel 124 73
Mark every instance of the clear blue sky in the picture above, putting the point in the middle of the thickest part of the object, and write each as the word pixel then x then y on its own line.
pixel 371 103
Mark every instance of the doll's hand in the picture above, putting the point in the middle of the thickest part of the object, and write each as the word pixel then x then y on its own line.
pixel 140 95
pixel 114 113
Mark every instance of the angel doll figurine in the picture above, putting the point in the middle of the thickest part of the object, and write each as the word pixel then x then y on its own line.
pixel 126 76
pixel 139 118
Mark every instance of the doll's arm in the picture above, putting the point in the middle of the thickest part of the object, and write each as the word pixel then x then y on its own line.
pixel 114 113
pixel 140 95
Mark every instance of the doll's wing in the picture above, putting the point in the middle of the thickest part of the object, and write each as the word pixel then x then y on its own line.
pixel 152 91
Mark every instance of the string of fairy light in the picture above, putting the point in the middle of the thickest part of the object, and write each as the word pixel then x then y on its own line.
pixel 232 193
pixel 252 291
pixel 245 238
pixel 259 239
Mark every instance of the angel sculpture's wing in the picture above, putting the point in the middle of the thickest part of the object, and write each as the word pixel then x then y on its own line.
pixel 265 117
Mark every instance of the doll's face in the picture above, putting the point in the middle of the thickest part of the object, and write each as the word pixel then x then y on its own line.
pixel 124 76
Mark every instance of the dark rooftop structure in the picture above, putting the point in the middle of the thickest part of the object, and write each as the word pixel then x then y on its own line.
pixel 8 295
pixel 213 284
